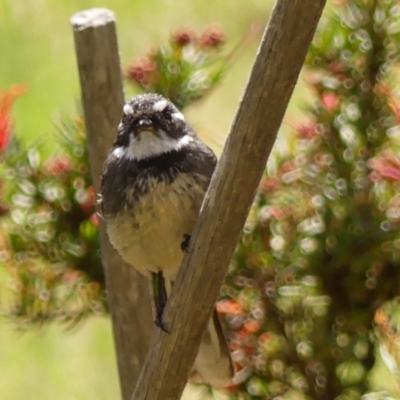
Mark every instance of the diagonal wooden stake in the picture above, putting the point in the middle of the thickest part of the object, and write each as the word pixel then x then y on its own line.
pixel 228 200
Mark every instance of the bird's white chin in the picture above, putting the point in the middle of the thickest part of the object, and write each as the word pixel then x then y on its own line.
pixel 147 145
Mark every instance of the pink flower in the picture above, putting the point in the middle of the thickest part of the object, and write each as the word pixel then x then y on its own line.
pixel 269 184
pixel 58 165
pixel 306 131
pixel 212 37
pixel 387 165
pixel 94 219
pixel 273 212
pixel 287 166
pixel 330 101
pixel 229 307
pixel 142 71
pixel 336 66
pixel 182 37
pixel 71 276
pixel 88 205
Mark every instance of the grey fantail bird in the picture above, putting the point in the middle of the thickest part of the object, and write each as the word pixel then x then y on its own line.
pixel 153 184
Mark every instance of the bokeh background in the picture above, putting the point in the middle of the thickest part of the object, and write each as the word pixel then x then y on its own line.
pixel 36 49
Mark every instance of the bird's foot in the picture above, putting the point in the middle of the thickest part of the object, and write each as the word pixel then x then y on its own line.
pixel 185 243
pixel 159 321
pixel 159 298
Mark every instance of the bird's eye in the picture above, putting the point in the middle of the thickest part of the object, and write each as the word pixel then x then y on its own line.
pixel 167 113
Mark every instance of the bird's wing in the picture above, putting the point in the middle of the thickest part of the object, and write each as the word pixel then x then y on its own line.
pixel 213 364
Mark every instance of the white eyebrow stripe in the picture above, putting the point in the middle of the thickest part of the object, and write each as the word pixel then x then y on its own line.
pixel 128 110
pixel 178 115
pixel 160 105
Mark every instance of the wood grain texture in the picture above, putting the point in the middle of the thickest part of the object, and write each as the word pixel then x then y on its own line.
pixel 228 200
pixel 103 98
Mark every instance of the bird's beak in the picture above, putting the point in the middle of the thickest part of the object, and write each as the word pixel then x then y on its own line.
pixel 145 124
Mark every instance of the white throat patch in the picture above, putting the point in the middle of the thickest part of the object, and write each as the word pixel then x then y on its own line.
pixel 149 145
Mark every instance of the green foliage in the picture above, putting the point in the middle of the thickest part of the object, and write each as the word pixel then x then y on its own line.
pixel 185 69
pixel 50 239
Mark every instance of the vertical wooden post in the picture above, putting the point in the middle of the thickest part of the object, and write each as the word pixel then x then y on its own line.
pixel 103 98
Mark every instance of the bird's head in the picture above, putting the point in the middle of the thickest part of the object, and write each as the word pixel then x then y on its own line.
pixel 151 126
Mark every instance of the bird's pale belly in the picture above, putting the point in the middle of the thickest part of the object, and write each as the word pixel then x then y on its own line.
pixel 149 236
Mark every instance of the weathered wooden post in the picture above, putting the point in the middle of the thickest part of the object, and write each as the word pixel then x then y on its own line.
pixel 228 200
pixel 103 98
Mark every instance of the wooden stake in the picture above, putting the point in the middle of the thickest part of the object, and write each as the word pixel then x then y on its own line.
pixel 102 94
pixel 228 200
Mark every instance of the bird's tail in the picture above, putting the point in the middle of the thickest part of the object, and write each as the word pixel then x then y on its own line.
pixel 213 364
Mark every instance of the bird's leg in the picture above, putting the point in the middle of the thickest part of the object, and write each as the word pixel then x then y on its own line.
pixel 159 298
pixel 185 243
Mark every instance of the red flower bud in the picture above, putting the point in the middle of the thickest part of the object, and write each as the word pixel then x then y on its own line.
pixel 141 71
pixel 57 166
pixel 182 37
pixel 212 37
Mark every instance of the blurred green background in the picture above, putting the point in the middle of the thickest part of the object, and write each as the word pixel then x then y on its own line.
pixel 36 48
